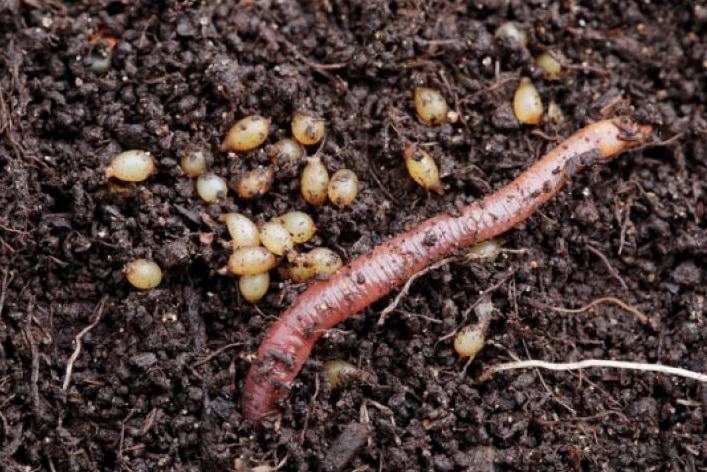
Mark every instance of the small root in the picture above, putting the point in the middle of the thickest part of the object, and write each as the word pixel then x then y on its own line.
pixel 624 365
pixel 482 296
pixel 77 340
pixel 612 271
pixel 312 399
pixel 406 288
pixel 629 308
pixel 214 354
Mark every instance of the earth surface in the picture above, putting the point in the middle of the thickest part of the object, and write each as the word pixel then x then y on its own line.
pixel 98 376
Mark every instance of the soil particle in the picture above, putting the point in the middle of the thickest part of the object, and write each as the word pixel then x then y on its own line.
pixel 352 438
pixel 143 361
pixel 687 273
pixel 503 118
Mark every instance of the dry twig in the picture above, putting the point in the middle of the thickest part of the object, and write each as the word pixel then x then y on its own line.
pixel 34 373
pixel 7 278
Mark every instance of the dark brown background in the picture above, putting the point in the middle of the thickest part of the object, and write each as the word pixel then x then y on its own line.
pixel 144 396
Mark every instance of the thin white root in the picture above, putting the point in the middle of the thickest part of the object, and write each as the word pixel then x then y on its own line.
pixel 406 288
pixel 77 341
pixel 530 364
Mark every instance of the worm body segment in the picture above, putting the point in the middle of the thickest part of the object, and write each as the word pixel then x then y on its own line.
pixel 371 276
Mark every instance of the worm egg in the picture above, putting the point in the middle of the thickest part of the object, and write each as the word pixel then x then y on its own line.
pixel 301 269
pixel 307 128
pixel 286 153
pixel 275 237
pixel 430 106
pixel 143 274
pixel 251 260
pixel 100 63
pixel 255 183
pixel 339 373
pixel 511 29
pixel 470 340
pixel 194 162
pixel 527 105
pixel 422 168
pixel 550 66
pixel 486 251
pixel 324 261
pixel 319 262
pixel 210 187
pixel 299 224
pixel 243 231
pixel 131 166
pixel 254 287
pixel 314 181
pixel 343 187
pixel 247 134
pixel 555 114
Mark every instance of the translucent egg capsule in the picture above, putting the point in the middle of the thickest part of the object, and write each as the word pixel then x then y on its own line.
pixel 343 187
pixel 550 66
pixel 470 340
pixel 251 260
pixel 527 105
pixel 486 251
pixel 339 373
pixel 299 224
pixel 211 187
pixel 512 30
pixel 320 262
pixel 422 168
pixel 324 261
pixel 247 134
pixel 307 128
pixel 244 233
pixel 315 181
pixel 254 287
pixel 275 237
pixel 286 153
pixel 131 166
pixel 143 274
pixel 255 183
pixel 301 269
pixel 430 106
pixel 194 162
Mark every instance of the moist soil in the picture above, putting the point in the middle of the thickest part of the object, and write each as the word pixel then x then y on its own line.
pixel 98 376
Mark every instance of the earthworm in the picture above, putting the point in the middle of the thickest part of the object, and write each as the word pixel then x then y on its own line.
pixel 371 276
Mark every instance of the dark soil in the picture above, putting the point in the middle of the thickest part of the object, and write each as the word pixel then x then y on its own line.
pixel 157 382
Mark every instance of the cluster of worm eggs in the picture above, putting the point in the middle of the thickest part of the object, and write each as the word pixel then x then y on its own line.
pixel 432 109
pixel 258 250
pixel 316 185
pixel 136 165
pixel 255 249
pixel 288 153
pixel 527 104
